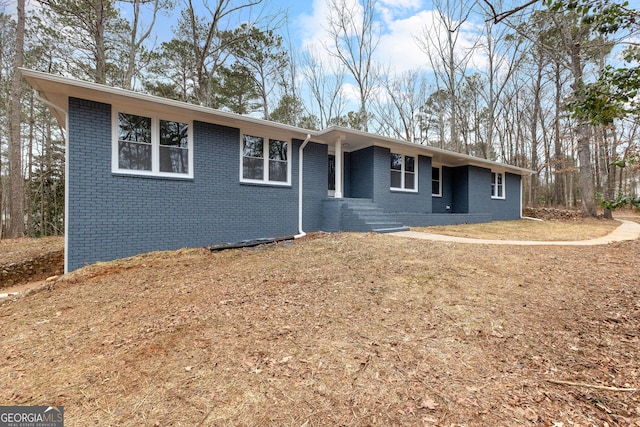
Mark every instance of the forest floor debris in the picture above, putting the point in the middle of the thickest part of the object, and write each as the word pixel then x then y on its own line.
pixel 347 329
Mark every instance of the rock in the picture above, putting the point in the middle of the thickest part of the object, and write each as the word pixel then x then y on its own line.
pixel 46 266
pixel 551 214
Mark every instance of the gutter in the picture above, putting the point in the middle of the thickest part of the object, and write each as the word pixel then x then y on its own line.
pixel 301 233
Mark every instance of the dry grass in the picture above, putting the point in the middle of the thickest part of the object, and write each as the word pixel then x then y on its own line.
pixel 341 329
pixel 583 229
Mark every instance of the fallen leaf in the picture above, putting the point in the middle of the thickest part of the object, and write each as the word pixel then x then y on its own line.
pixel 429 403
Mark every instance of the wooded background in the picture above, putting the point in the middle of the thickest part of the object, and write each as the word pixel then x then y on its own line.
pixel 557 94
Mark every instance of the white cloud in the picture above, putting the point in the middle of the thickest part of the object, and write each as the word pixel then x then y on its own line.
pixel 398 47
pixel 400 22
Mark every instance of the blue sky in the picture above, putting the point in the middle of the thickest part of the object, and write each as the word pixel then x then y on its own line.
pixel 400 21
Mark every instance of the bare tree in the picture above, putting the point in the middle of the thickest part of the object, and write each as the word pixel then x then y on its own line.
pixel 16 178
pixel 354 39
pixel 503 55
pixel 399 110
pixel 449 59
pixel 325 86
pixel 137 36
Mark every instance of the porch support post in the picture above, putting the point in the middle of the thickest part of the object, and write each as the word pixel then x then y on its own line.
pixel 338 191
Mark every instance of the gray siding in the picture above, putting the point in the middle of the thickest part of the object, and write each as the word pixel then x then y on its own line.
pixel 113 216
pixel 467 189
pixel 360 174
pixel 439 204
pixel 460 191
pixel 479 195
pixel 427 220
pixel 117 215
pixel 509 208
pixel 400 201
pixel 314 175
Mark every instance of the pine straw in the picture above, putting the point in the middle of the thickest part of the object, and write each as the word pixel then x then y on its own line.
pixel 341 329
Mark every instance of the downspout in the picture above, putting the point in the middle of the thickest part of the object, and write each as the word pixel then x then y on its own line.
pixel 301 233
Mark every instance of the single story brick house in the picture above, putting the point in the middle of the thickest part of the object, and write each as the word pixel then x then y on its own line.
pixel 146 173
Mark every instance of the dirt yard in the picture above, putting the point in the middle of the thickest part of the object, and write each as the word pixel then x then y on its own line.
pixel 336 330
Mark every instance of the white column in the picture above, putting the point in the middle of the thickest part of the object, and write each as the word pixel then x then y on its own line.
pixel 338 192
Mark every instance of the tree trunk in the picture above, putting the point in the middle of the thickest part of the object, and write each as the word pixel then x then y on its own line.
pixel 16 181
pixel 587 188
pixel 101 54
pixel 534 133
pixel 559 166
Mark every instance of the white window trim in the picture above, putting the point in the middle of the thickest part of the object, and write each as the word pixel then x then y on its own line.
pixel 155 146
pixel 265 159
pixel 504 185
pixel 439 194
pixel 415 174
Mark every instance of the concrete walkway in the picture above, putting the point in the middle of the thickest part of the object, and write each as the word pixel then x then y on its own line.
pixel 628 230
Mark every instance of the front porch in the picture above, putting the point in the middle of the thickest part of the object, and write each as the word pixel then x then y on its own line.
pixel 363 215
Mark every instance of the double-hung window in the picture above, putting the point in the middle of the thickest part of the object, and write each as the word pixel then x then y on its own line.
pixel 265 160
pixel 403 172
pixel 497 185
pixel 436 181
pixel 152 146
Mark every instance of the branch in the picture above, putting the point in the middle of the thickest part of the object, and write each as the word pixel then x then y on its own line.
pixel 497 17
pixel 599 387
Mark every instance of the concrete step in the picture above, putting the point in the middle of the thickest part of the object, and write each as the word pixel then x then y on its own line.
pixel 391 230
pixel 364 215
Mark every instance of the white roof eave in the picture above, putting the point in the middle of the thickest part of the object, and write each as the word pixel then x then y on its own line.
pixel 450 158
pixel 56 90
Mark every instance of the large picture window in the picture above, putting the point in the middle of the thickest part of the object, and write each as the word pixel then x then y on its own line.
pixel 152 146
pixel 403 172
pixel 497 185
pixel 265 160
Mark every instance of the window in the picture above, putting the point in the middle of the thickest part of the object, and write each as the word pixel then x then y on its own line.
pixel 436 181
pixel 497 185
pixel 265 162
pixel 174 147
pixel 332 172
pixel 134 142
pixel 403 172
pixel 151 146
